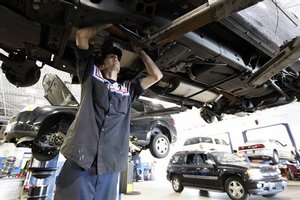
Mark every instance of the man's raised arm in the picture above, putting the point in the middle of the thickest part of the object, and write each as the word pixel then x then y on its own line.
pixel 154 73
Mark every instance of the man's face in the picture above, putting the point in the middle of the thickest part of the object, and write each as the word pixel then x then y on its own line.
pixel 112 63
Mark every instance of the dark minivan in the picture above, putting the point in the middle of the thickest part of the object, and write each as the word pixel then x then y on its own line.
pixel 225 172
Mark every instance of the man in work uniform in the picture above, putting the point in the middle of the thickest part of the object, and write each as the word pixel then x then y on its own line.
pixel 96 146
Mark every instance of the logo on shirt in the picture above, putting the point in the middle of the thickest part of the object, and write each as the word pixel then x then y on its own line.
pixel 115 87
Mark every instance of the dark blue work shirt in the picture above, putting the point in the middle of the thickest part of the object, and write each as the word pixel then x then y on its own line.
pixel 100 130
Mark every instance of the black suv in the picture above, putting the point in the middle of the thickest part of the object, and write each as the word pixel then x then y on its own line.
pixel 224 172
pixel 44 128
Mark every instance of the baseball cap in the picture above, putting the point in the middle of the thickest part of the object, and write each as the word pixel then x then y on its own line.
pixel 112 50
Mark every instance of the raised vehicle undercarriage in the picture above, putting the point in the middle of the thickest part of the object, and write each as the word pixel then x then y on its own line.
pixel 223 56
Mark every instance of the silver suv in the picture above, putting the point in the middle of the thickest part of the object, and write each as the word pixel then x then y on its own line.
pixel 206 143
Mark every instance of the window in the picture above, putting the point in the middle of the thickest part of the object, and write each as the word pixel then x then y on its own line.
pixel 205 139
pixel 200 159
pixel 224 142
pixel 137 106
pixel 191 159
pixel 191 141
pixel 177 159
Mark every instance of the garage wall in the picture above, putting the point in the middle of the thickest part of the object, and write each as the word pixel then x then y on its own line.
pixel 288 114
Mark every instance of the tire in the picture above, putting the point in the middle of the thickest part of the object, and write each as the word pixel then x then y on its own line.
pixel 160 146
pixel 177 184
pixel 269 195
pixel 275 158
pixel 49 139
pixel 236 189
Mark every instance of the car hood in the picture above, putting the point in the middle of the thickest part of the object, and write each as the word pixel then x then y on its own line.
pixel 56 91
pixel 246 165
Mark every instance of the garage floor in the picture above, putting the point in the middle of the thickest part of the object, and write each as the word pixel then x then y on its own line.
pixel 162 190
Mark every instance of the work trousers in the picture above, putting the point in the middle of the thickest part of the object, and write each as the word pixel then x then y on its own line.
pixel 75 183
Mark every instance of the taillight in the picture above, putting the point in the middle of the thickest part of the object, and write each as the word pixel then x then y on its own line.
pixel 257 146
pixel 254 146
pixel 242 148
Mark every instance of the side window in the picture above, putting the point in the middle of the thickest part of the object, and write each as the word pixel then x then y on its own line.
pixel 177 160
pixel 187 142
pixel 206 139
pixel 191 159
pixel 217 141
pixel 191 141
pixel 209 158
pixel 224 142
pixel 137 106
pixel 195 140
pixel 200 159
pixel 149 106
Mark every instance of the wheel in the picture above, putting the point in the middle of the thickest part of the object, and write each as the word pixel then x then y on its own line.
pixel 46 144
pixel 177 184
pixel 275 158
pixel 236 189
pixel 269 195
pixel 160 146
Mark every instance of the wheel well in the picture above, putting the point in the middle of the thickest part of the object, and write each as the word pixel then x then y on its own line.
pixel 226 176
pixel 68 118
pixel 172 175
pixel 164 131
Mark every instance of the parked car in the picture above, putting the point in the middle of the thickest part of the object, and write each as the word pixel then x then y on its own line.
pixel 223 172
pixel 44 128
pixel 268 149
pixel 225 56
pixel 206 143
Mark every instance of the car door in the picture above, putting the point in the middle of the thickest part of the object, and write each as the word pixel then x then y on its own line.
pixel 188 170
pixel 206 172
pixel 284 151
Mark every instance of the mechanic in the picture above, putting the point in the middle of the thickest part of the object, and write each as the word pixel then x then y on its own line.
pixel 96 146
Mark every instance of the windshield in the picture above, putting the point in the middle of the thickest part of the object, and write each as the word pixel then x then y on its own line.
pixel 224 157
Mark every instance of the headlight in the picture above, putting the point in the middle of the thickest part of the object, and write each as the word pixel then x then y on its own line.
pixel 254 174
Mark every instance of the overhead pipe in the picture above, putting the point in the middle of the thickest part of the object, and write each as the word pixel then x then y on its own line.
pixel 213 10
pixel 287 56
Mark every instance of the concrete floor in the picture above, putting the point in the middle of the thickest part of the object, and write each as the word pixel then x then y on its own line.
pixel 162 190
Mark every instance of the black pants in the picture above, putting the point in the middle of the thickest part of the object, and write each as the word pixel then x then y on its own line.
pixel 75 183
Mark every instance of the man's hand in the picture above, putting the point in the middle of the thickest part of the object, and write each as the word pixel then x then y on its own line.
pixel 154 74
pixel 136 48
pixel 83 36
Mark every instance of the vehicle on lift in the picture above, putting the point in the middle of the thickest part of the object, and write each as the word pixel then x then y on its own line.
pixel 268 149
pixel 225 56
pixel 222 171
pixel 153 127
pixel 44 128
pixel 206 143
